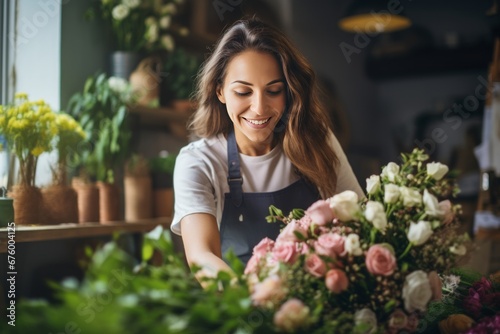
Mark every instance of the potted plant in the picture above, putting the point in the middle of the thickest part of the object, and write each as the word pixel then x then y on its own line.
pixel 162 171
pixel 101 109
pixel 29 128
pixel 138 190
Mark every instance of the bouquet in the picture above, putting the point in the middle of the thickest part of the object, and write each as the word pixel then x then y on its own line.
pixel 140 25
pixel 367 265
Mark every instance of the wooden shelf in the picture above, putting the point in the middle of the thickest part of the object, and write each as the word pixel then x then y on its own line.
pixel 162 116
pixel 26 233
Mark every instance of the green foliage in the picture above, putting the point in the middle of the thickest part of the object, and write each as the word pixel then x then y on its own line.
pixel 101 109
pixel 163 164
pixel 121 295
pixel 181 68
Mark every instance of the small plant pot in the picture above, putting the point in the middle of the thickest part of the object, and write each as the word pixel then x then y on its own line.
pixel 109 202
pixel 60 204
pixel 163 202
pixel 27 205
pixel 88 201
pixel 138 198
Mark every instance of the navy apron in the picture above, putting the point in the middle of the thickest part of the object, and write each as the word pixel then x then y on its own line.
pixel 243 223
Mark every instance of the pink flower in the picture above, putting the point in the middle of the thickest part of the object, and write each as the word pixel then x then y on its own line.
pixel 252 264
pixel 446 212
pixel 336 280
pixel 269 292
pixel 304 248
pixel 330 244
pixel 291 316
pixel 412 323
pixel 264 246
pixel 305 222
pixel 380 260
pixel 314 265
pixel 285 251
pixel 320 212
pixel 436 286
pixel 397 320
pixel 288 233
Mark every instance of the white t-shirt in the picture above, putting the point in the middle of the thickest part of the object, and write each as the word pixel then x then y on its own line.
pixel 200 176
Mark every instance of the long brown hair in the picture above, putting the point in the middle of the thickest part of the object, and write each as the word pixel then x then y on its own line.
pixel 306 125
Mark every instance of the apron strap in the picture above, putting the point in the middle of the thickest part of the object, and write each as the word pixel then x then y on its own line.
pixel 234 179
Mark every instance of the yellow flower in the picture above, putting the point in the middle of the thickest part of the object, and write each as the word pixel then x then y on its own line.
pixel 37 151
pixel 21 96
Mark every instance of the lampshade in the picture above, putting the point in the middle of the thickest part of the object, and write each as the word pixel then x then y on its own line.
pixel 374 16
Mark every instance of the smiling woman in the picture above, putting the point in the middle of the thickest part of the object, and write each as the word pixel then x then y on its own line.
pixel 264 139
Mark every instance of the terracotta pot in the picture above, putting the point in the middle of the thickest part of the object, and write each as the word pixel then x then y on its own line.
pixel 27 205
pixel 109 202
pixel 163 202
pixel 138 198
pixel 88 201
pixel 60 204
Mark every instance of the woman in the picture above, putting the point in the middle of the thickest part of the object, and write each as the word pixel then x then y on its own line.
pixel 264 140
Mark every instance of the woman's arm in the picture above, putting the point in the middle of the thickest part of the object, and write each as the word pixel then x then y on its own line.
pixel 201 239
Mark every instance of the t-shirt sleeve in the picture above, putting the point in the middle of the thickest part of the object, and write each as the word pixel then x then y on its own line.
pixel 193 188
pixel 346 180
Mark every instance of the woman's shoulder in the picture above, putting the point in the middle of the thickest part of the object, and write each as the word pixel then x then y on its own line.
pixel 209 150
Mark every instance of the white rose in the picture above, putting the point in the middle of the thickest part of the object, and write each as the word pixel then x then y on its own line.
pixel 375 214
pixel 419 233
pixel 373 184
pixel 345 205
pixel 366 317
pixel 436 170
pixel 352 246
pixel 391 193
pixel 431 205
pixel 169 9
pixel 117 84
pixel 391 171
pixel 411 197
pixel 120 12
pixel 459 250
pixel 417 291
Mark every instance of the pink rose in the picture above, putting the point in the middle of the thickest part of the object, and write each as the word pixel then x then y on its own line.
pixel 304 248
pixel 320 212
pixel 436 285
pixel 314 265
pixel 264 246
pixel 380 260
pixel 252 264
pixel 269 292
pixel 305 222
pixel 291 316
pixel 285 251
pixel 336 280
pixel 447 212
pixel 288 233
pixel 329 244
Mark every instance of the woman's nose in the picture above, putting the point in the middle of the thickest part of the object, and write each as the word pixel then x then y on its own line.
pixel 258 103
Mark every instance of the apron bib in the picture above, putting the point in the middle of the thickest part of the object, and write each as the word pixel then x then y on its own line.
pixel 243 223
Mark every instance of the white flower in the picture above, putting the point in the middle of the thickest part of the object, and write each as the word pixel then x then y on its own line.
pixel 345 205
pixel 391 193
pixel 375 213
pixel 368 318
pixel 168 42
pixel 411 197
pixel 431 204
pixel 169 9
pixel 436 170
pixel 165 22
pixel 391 171
pixel 459 250
pixel 152 33
pixel 131 3
pixel 417 291
pixel 373 184
pixel 183 31
pixel 120 12
pixel 419 233
pixel 117 84
pixel 352 246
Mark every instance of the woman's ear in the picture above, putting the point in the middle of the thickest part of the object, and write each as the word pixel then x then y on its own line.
pixel 220 95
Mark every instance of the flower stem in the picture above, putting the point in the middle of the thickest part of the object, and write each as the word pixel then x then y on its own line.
pixel 406 251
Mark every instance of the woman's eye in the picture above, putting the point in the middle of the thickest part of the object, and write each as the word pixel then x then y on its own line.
pixel 242 93
pixel 275 92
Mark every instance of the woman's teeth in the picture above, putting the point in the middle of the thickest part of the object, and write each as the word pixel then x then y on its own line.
pixel 258 122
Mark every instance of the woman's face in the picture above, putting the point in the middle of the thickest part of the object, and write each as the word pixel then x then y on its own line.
pixel 254 93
